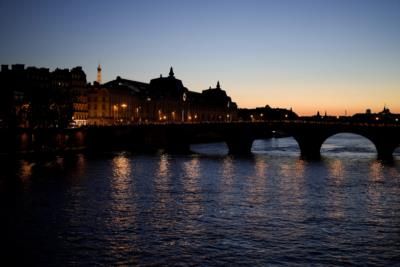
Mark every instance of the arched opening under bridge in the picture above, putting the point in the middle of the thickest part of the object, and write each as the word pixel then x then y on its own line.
pixel 211 149
pixel 279 146
pixel 396 152
pixel 348 145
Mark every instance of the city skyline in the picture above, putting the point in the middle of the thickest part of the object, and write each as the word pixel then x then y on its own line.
pixel 336 56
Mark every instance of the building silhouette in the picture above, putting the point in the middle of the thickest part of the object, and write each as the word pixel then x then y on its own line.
pixel 164 99
pixel 266 113
pixel 38 97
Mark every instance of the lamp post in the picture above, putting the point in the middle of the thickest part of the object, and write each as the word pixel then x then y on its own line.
pixel 115 108
pixel 148 106
pixel 183 108
pixel 228 115
pixel 124 106
pixel 138 113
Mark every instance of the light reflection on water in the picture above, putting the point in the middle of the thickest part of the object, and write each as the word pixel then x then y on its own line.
pixel 211 209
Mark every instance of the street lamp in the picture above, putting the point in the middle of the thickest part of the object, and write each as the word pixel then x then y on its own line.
pixel 115 108
pixel 228 105
pixel 183 108
pixel 124 106
pixel 147 113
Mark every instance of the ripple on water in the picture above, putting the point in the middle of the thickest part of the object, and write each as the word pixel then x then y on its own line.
pixel 266 209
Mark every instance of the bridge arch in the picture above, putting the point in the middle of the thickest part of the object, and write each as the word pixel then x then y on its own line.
pixel 348 142
pixel 396 151
pixel 208 142
pixel 276 145
pixel 210 148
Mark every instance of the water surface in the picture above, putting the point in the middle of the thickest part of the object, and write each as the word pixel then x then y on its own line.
pixel 271 208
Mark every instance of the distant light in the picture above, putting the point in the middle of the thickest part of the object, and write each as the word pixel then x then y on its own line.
pixel 397 120
pixel 377 118
pixel 165 117
pixel 124 105
pixel 286 115
pixel 262 115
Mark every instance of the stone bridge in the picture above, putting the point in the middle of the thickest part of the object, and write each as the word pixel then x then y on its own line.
pixel 239 136
pixel 177 137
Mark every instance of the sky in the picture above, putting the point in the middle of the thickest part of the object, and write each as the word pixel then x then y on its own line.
pixel 338 56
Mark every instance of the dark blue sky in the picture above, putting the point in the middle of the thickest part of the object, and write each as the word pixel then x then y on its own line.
pixel 332 55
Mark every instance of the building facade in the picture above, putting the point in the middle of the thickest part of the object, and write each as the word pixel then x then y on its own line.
pixel 163 100
pixel 116 102
pixel 38 97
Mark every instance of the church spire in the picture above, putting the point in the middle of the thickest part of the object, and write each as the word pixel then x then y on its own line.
pixel 99 74
pixel 218 85
pixel 171 72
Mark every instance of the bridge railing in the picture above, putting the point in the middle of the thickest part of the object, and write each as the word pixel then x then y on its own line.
pixel 270 122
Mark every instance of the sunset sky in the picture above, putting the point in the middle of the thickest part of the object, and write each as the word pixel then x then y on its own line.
pixel 326 55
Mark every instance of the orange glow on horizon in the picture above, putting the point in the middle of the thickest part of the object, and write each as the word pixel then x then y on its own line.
pixel 312 109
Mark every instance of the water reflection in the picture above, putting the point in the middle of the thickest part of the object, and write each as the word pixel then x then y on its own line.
pixel 121 167
pixel 335 199
pixel 261 167
pixel 25 171
pixel 163 166
pixel 376 176
pixel 227 175
pixel 192 197
pixel 163 183
pixel 376 171
pixel 336 170
pixel 291 190
pixel 256 183
pixel 202 210
pixel 80 165
pixel 121 192
pixel 192 169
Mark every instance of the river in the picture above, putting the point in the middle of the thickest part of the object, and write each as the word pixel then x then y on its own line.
pixel 207 208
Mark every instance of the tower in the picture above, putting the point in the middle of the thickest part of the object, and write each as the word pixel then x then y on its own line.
pixel 171 72
pixel 99 74
pixel 218 85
